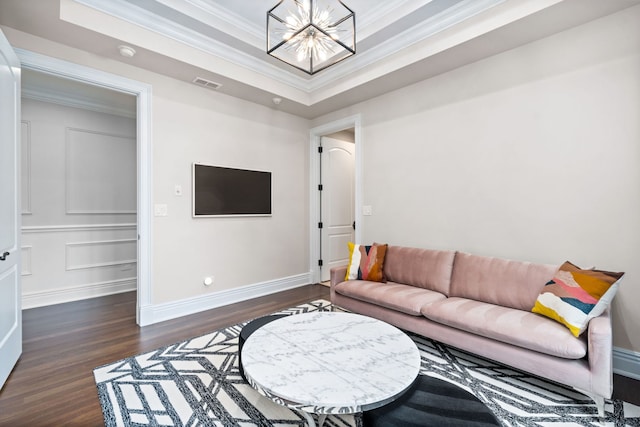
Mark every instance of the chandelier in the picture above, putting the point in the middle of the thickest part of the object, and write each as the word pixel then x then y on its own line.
pixel 311 35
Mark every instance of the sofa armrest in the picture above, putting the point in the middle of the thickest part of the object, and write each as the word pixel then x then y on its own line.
pixel 337 275
pixel 600 354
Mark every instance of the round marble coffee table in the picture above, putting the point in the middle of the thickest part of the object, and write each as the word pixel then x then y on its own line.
pixel 330 363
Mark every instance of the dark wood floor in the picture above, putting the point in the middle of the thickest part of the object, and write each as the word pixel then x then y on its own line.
pixel 53 385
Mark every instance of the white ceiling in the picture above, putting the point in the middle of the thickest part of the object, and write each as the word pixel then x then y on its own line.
pixel 399 42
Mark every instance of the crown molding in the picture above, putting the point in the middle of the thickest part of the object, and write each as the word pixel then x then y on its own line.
pixel 167 28
pixel 147 20
pixel 378 17
pixel 67 100
pixel 409 46
pixel 385 9
pixel 222 15
pixel 368 22
pixel 405 39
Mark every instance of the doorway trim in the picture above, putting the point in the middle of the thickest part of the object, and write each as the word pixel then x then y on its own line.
pixel 314 180
pixel 142 92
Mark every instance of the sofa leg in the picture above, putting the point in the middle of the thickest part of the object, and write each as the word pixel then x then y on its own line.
pixel 599 404
pixel 599 400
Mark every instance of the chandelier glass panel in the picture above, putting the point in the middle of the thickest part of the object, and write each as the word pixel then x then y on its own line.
pixel 311 35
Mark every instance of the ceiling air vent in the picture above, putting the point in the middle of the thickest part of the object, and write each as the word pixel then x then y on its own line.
pixel 207 83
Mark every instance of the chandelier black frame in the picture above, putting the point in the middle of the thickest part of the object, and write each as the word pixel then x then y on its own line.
pixel 311 35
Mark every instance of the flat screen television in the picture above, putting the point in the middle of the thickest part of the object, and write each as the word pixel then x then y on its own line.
pixel 220 191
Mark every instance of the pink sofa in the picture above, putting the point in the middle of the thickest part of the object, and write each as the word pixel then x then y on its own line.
pixel 483 305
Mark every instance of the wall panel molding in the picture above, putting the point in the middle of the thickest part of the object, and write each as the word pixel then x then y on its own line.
pixel 77 227
pixel 92 184
pixel 102 253
pixel 25 135
pixel 75 293
pixel 26 260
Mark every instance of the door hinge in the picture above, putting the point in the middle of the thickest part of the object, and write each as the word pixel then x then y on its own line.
pixel 319 225
pixel 320 149
pixel 319 187
pixel 319 263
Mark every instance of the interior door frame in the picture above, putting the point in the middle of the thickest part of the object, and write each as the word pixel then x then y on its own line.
pixel 333 150
pixel 314 180
pixel 142 92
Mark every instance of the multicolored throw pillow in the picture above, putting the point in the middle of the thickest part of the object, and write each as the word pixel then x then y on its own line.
pixel 575 296
pixel 366 262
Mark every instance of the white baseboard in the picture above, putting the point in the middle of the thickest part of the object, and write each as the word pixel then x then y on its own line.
pixel 626 363
pixel 75 293
pixel 160 312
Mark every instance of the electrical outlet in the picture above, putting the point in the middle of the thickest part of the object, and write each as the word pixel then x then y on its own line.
pixel 367 210
pixel 160 210
pixel 177 189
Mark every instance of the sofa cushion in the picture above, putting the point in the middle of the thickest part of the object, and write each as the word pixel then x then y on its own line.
pixel 514 284
pixel 366 262
pixel 424 268
pixel 517 327
pixel 395 296
pixel 575 296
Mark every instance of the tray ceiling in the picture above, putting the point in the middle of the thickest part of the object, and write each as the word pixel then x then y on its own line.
pixel 399 42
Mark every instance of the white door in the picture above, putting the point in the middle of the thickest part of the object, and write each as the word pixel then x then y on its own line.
pixel 10 293
pixel 337 202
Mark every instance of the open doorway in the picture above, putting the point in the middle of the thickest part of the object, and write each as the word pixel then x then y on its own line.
pixel 349 129
pixel 142 93
pixel 337 199
pixel 79 192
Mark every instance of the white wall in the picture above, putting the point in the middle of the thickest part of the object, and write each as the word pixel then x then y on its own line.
pixel 79 203
pixel 533 154
pixel 247 256
pixel 530 154
pixel 194 124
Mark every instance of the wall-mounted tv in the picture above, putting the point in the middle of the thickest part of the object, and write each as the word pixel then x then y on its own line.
pixel 220 191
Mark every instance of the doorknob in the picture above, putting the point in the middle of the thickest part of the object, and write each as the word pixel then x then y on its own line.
pixel 4 256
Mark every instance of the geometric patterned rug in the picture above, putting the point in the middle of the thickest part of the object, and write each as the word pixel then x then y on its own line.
pixel 196 383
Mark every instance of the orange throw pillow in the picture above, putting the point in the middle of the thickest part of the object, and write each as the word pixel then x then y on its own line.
pixel 366 262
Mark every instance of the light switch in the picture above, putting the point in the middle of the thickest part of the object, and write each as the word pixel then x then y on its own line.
pixel 160 210
pixel 366 210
